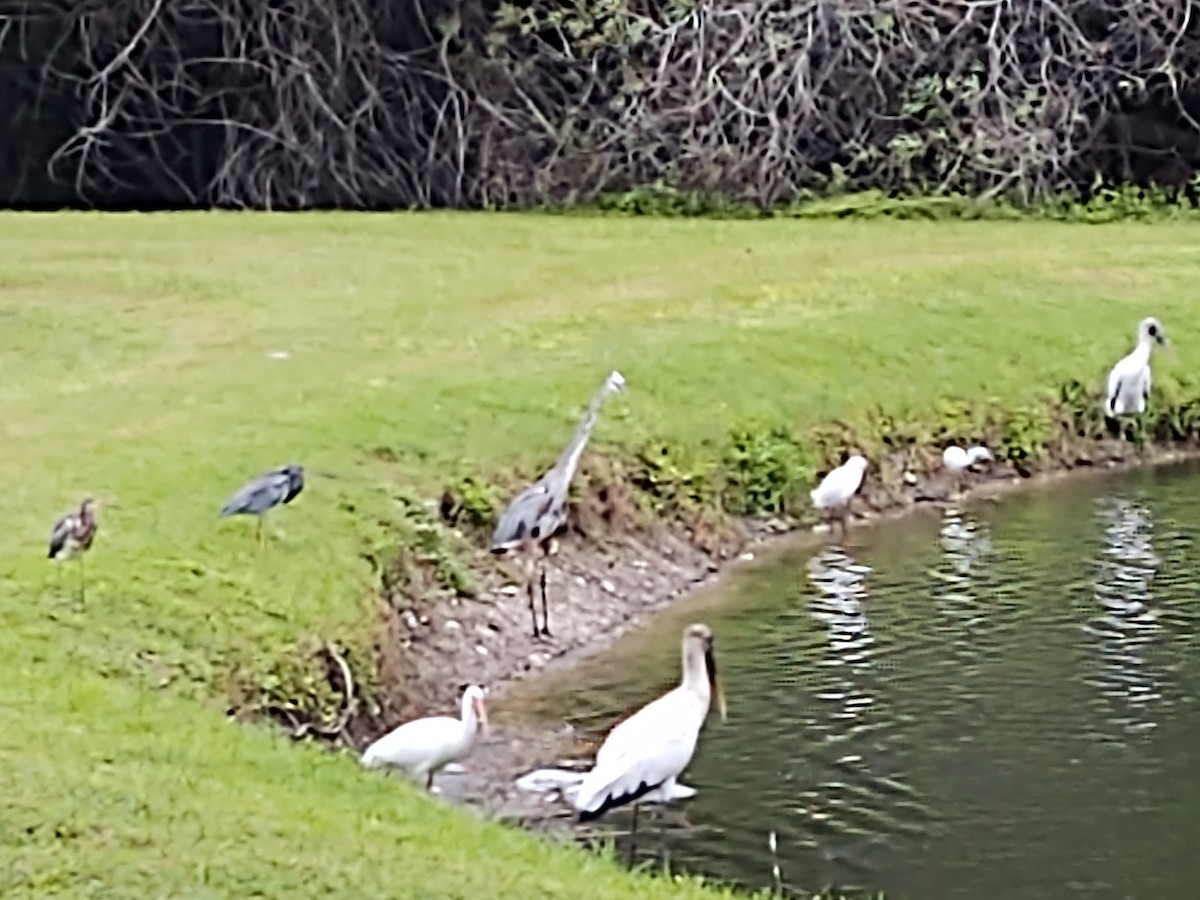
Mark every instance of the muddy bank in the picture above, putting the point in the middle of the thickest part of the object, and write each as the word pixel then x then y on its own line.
pixel 608 579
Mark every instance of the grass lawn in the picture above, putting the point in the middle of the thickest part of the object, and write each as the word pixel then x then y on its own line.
pixel 136 362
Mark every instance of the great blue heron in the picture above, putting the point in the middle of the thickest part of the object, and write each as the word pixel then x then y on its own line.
pixel 1129 380
pixel 537 514
pixel 262 494
pixel 72 535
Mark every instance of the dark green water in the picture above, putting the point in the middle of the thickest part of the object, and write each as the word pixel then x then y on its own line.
pixel 996 702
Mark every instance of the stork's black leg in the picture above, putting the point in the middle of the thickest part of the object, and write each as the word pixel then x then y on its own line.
pixel 82 582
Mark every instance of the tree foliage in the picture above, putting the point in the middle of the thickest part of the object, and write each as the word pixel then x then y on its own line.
pixel 383 103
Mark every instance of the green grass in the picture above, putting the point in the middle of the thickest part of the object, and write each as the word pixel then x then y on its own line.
pixel 134 362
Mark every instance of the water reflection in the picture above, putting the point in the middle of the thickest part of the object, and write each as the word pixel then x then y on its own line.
pixel 855 801
pixel 1126 623
pixel 967 626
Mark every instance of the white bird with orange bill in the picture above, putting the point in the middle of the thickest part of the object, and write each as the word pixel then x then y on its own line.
pixel 644 755
pixel 424 746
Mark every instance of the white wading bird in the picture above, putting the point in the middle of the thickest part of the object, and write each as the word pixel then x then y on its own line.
pixel 833 495
pixel 957 461
pixel 423 746
pixel 1129 380
pixel 644 754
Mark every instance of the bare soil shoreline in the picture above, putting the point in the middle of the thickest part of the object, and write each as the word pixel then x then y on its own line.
pixel 601 590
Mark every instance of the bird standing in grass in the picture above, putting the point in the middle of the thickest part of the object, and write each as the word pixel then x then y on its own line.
pixel 833 495
pixel 537 514
pixel 423 746
pixel 260 495
pixel 72 536
pixel 1129 380
pixel 957 461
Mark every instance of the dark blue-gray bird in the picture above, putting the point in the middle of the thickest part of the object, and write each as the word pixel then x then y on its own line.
pixel 536 515
pixel 260 495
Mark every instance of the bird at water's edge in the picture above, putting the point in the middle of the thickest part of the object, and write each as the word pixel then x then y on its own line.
pixel 423 746
pixel 265 492
pixel 833 495
pixel 535 516
pixel 72 534
pixel 647 752
pixel 1129 381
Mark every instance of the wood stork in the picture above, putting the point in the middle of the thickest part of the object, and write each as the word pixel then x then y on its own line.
pixel 957 461
pixel 423 746
pixel 645 753
pixel 1129 380
pixel 833 495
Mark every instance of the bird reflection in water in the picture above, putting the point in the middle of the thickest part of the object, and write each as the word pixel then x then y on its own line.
pixel 1126 622
pixel 854 804
pixel 964 619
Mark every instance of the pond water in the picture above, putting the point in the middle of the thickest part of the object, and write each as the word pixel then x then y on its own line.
pixel 994 701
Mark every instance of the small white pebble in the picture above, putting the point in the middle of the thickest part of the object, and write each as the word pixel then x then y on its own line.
pixel 910 478
pixel 481 650
pixel 747 556
pixel 510 590
pixel 452 625
pixel 279 354
pixel 608 586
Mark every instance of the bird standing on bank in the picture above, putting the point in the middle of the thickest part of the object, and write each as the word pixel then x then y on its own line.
pixel 1129 380
pixel 536 515
pixel 423 746
pixel 833 495
pixel 72 534
pixel 260 495
pixel 647 752
pixel 957 461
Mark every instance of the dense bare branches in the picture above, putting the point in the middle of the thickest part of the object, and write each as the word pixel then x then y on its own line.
pixel 467 102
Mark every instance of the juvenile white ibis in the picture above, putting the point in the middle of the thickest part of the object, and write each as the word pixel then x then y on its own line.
pixel 423 746
pixel 833 495
pixel 645 753
pixel 1129 380
pixel 957 460
pixel 72 535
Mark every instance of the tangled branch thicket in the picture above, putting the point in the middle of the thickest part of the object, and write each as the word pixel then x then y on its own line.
pixel 360 103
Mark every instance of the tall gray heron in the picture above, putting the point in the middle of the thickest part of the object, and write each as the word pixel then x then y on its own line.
pixel 260 495
pixel 536 515
pixel 72 534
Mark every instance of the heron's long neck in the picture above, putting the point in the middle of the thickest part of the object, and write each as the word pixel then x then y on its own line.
pixel 695 673
pixel 568 462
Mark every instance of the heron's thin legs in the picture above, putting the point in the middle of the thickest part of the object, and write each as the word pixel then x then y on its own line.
pixel 259 532
pixel 545 606
pixel 532 607
pixel 633 835
pixel 429 782
pixel 82 582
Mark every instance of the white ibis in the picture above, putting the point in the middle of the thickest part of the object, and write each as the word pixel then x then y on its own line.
pixel 72 535
pixel 1129 380
pixel 645 753
pixel 957 460
pixel 423 746
pixel 833 495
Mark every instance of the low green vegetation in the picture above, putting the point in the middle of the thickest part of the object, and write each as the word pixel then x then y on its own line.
pixel 160 360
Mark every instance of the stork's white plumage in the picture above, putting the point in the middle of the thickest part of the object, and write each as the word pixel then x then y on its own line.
pixel 837 488
pixel 957 460
pixel 644 755
pixel 1129 380
pixel 423 746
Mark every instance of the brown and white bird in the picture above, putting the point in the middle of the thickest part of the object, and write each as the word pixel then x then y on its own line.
pixel 72 535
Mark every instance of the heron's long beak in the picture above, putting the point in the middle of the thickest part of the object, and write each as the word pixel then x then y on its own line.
pixel 710 663
pixel 481 711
